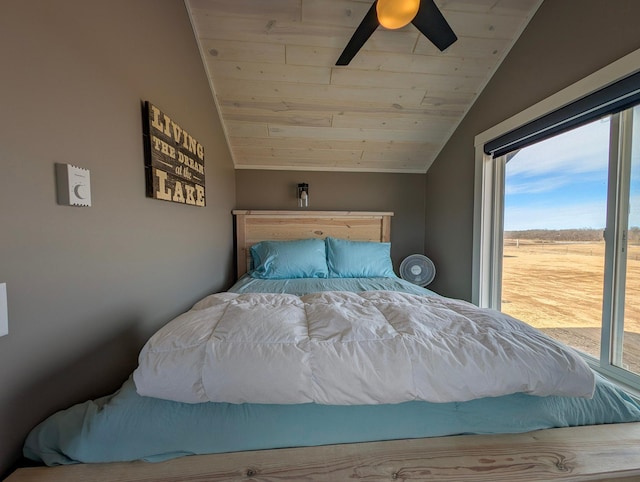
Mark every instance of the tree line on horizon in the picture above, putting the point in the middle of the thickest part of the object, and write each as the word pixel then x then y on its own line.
pixel 568 235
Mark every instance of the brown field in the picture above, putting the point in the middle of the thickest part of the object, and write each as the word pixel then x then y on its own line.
pixel 557 287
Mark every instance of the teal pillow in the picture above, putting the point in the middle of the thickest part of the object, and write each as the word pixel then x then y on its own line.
pixel 304 258
pixel 359 259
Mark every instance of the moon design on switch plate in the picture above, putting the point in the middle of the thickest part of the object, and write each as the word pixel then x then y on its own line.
pixel 79 190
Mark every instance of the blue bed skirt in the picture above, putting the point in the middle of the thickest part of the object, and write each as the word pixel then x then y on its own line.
pixel 126 426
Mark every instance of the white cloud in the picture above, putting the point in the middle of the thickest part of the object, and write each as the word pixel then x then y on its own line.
pixel 582 150
pixel 537 186
pixel 578 156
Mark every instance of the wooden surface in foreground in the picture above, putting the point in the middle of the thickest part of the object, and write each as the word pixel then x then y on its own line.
pixel 602 453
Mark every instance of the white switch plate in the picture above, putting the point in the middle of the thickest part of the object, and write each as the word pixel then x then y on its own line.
pixel 4 310
pixel 74 185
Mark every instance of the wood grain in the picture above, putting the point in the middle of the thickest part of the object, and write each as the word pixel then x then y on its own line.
pixel 273 73
pixel 596 453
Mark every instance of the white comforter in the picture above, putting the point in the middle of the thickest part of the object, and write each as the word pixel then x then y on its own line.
pixel 352 348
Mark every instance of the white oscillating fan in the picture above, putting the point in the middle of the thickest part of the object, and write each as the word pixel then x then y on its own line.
pixel 417 269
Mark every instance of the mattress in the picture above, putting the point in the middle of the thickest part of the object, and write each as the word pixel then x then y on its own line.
pixel 126 426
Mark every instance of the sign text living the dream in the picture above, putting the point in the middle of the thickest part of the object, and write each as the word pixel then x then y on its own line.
pixel 174 160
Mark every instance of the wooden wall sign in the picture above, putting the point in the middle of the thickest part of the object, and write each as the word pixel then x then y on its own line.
pixel 174 160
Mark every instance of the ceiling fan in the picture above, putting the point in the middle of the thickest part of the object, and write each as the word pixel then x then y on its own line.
pixel 424 14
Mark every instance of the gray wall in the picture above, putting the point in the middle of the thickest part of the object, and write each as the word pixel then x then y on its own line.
pixel 564 42
pixel 403 194
pixel 87 286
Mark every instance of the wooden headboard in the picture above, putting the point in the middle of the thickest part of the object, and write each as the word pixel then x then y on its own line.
pixel 254 226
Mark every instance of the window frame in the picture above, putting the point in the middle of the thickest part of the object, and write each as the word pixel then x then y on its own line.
pixel 489 207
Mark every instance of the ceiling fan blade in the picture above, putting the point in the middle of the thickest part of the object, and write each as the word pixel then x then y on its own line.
pixel 432 24
pixel 368 25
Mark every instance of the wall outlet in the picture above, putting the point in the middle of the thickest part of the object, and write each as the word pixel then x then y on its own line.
pixel 4 310
pixel 74 185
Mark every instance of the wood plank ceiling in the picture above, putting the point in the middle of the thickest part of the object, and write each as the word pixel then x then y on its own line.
pixel 285 105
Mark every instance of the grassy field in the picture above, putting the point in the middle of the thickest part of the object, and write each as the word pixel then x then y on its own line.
pixel 557 287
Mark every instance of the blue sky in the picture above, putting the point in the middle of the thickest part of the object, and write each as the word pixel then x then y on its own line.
pixel 561 183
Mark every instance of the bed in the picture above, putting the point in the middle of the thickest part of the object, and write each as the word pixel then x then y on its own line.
pixel 383 417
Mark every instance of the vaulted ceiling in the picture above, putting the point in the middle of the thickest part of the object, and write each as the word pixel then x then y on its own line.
pixel 284 104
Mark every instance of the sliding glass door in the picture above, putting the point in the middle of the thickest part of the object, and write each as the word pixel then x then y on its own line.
pixel 626 351
pixel 569 243
pixel 555 209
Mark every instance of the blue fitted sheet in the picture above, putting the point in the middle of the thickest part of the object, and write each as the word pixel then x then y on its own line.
pixel 303 286
pixel 126 426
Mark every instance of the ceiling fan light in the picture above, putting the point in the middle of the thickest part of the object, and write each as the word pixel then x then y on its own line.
pixel 394 14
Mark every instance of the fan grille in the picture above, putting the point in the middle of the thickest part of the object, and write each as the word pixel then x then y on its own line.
pixel 417 269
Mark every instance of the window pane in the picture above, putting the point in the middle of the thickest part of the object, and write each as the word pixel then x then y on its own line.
pixel 554 217
pixel 631 337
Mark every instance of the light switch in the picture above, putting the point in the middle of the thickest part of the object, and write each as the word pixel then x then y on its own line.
pixel 74 185
pixel 4 310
